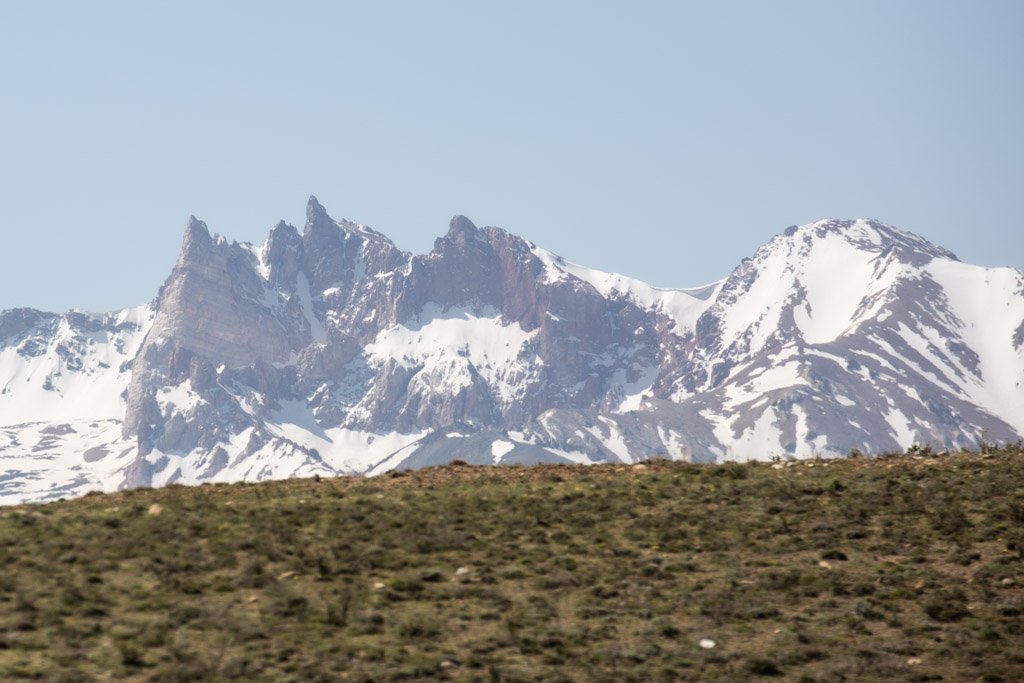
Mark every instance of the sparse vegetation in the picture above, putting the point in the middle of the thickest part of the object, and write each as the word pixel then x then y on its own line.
pixel 895 568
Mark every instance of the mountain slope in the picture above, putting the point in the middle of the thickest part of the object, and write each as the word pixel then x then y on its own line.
pixel 329 350
pixel 852 334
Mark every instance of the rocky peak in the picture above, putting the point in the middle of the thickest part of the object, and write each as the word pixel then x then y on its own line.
pixel 321 232
pixel 16 323
pixel 462 269
pixel 197 238
pixel 462 235
pixel 325 248
pixel 283 231
pixel 283 254
pixel 911 247
pixel 811 284
pixel 460 225
pixel 315 211
pixel 866 234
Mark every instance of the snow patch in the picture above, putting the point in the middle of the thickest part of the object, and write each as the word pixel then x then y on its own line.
pixel 901 427
pixel 442 343
pixel 501 448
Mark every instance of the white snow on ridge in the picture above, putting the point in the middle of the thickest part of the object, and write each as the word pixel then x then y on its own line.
pixel 903 431
pixel 836 276
pixel 316 327
pixel 344 450
pixel 783 374
pixel 62 459
pixel 614 442
pixel 674 443
pixel 441 341
pixel 839 275
pixel 259 253
pixel 392 460
pixel 341 451
pixel 762 439
pixel 758 310
pixel 479 336
pixel 634 392
pixel 577 457
pixel 277 459
pixel 682 305
pixel 47 385
pixel 989 302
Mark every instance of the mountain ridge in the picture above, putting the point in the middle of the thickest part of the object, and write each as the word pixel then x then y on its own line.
pixel 331 351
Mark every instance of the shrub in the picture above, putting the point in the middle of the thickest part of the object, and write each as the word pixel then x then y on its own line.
pixel 947 605
pixel 762 667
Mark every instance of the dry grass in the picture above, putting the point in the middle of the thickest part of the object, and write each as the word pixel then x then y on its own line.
pixel 896 568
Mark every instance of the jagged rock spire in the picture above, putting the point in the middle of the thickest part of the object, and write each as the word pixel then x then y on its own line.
pixel 197 237
pixel 315 210
pixel 460 225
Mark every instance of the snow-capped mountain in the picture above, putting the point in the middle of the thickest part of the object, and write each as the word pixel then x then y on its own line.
pixel 332 351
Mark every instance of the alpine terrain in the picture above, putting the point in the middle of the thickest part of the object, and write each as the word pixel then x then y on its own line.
pixel 331 351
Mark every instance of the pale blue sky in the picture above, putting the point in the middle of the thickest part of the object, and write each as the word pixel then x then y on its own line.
pixel 663 140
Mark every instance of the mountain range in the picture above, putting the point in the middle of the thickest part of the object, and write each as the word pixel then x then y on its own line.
pixel 331 351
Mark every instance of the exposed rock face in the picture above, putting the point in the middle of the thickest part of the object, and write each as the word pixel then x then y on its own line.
pixel 330 351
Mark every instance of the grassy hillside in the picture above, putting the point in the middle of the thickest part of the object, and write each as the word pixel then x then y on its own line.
pixel 902 568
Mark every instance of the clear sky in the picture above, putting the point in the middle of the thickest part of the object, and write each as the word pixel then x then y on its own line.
pixel 663 140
